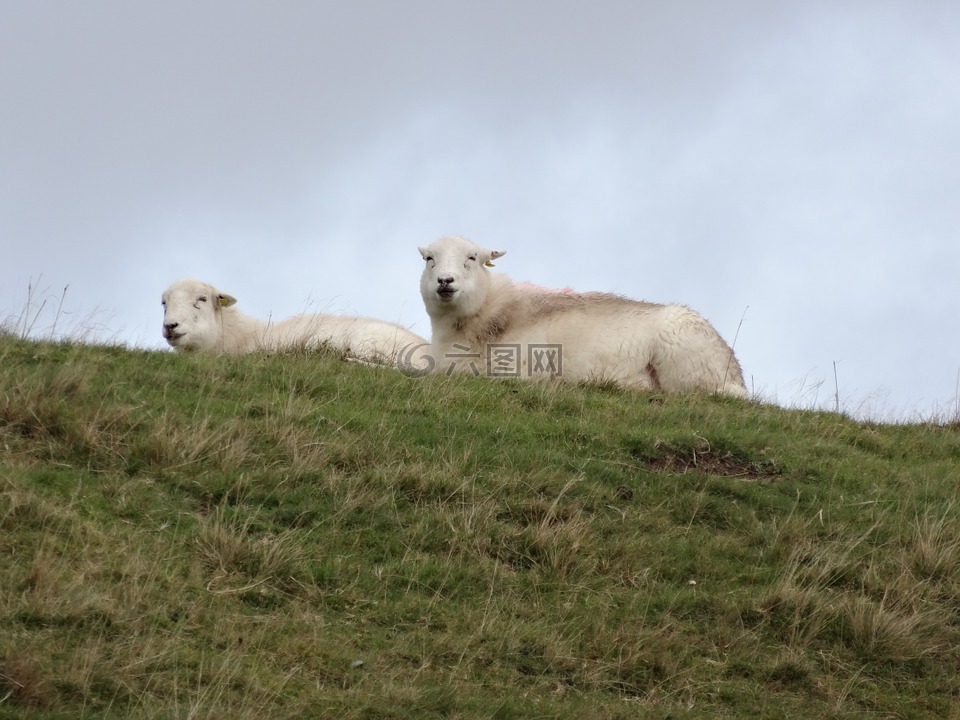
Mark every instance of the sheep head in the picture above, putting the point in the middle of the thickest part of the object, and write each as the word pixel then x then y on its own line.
pixel 455 278
pixel 192 315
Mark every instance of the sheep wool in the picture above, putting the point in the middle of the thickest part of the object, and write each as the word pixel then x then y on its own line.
pixel 197 317
pixel 485 323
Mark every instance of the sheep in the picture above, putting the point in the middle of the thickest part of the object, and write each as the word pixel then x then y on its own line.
pixel 483 321
pixel 198 317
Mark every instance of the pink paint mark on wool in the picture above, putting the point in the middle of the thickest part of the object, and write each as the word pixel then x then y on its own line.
pixel 533 288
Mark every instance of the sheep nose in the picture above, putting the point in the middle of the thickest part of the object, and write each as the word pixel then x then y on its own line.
pixel 448 280
pixel 171 325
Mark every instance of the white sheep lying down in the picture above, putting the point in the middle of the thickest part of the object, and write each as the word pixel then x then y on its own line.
pixel 199 317
pixel 485 323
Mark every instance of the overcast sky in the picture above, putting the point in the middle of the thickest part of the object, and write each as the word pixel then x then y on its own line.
pixel 791 169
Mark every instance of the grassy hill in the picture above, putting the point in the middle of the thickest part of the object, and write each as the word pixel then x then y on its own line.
pixel 298 536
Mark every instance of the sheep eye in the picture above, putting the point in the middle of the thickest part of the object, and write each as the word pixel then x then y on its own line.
pixel 429 258
pixel 202 298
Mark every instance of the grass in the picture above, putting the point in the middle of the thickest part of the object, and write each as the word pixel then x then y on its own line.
pixel 293 535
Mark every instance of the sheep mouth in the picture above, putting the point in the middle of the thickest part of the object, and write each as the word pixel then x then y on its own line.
pixel 172 337
pixel 446 293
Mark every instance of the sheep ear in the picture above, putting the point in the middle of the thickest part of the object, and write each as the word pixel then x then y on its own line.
pixel 225 300
pixel 423 252
pixel 494 254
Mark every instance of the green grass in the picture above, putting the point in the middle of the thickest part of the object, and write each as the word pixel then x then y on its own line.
pixel 298 536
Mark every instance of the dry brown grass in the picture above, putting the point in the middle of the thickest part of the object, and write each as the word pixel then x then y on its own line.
pixel 288 535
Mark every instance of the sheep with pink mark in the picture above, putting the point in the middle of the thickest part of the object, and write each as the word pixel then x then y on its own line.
pixel 197 317
pixel 483 321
